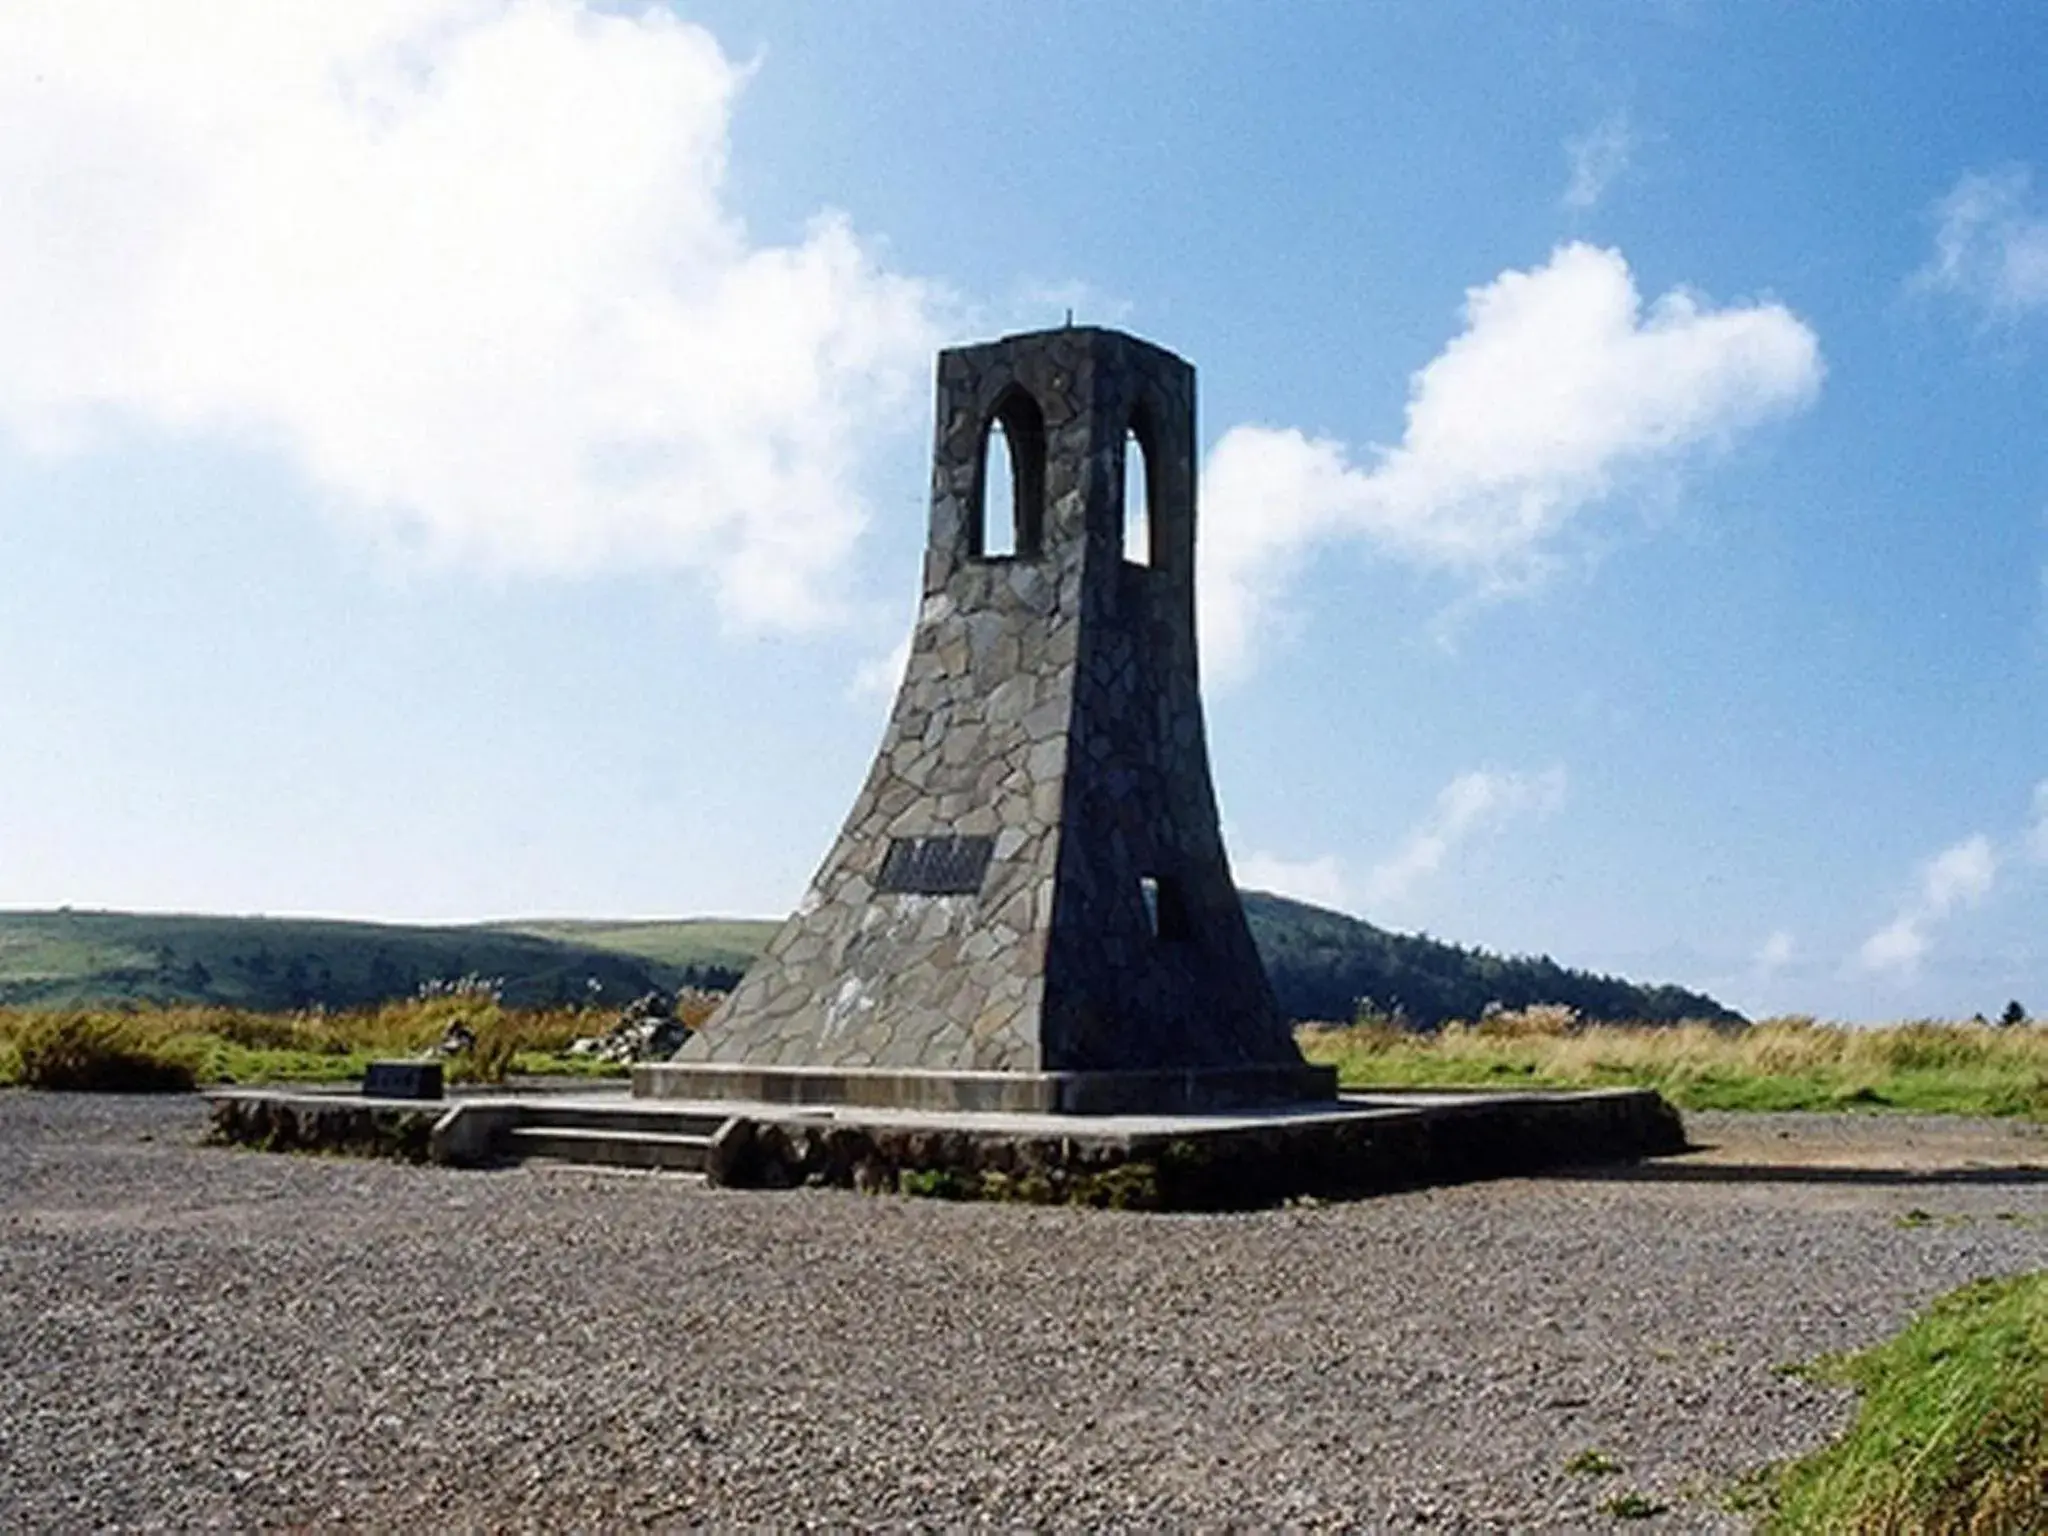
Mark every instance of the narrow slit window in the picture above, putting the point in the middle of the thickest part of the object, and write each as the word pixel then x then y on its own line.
pixel 1166 915
pixel 998 496
pixel 1137 502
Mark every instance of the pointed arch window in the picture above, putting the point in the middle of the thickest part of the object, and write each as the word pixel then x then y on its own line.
pixel 1140 492
pixel 1009 513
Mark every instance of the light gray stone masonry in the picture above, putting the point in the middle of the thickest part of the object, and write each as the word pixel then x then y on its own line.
pixel 1050 707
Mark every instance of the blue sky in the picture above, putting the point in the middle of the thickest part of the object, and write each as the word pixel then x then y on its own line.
pixel 465 459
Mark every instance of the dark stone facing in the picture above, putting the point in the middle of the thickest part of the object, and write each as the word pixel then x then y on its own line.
pixel 1033 881
pixel 1335 1153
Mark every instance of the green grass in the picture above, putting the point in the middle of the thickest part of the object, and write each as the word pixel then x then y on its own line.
pixel 1782 1064
pixel 141 1048
pixel 1952 1435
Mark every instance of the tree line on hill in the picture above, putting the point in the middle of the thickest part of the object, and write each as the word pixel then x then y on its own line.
pixel 1329 967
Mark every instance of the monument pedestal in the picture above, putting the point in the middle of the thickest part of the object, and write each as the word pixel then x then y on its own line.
pixel 1192 1090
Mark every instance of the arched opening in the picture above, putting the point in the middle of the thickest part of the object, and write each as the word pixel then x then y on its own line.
pixel 1137 500
pixel 998 489
pixel 1012 481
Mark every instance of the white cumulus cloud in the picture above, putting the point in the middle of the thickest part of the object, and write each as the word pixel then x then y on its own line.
pixel 1897 946
pixel 1776 952
pixel 1473 802
pixel 1596 157
pixel 1318 881
pixel 1991 243
pixel 469 264
pixel 1961 875
pixel 1560 385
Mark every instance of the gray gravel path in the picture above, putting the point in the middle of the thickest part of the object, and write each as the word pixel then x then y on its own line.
pixel 192 1336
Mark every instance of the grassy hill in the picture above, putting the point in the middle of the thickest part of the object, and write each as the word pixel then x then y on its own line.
pixel 1321 963
pixel 681 944
pixel 273 963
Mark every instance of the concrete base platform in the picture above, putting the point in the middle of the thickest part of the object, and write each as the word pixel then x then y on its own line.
pixel 1194 1090
pixel 1356 1145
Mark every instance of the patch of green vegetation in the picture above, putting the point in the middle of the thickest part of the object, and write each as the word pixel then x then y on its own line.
pixel 1750 1494
pixel 1632 1506
pixel 100 1053
pixel 1132 1186
pixel 938 1184
pixel 553 1064
pixel 1028 1188
pixel 136 1047
pixel 1952 1434
pixel 1927 1068
pixel 1592 1462
pixel 1915 1219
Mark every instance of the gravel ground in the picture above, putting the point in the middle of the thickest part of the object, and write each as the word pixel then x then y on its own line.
pixel 193 1336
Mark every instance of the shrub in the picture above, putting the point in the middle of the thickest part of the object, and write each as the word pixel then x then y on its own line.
pixel 101 1053
pixel 495 1040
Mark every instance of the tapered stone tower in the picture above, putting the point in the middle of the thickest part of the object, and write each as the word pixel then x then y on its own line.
pixel 1029 907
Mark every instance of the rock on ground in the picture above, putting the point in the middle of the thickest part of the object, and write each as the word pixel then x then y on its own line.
pixel 194 1336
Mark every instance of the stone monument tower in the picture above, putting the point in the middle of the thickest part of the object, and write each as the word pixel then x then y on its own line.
pixel 1029 906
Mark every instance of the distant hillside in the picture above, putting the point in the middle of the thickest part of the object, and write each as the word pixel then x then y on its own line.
pixel 700 944
pixel 269 963
pixel 1321 963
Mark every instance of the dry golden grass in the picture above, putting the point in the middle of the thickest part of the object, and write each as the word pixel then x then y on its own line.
pixel 1788 1063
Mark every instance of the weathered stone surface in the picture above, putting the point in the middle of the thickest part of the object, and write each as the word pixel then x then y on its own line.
pixel 303 1123
pixel 1338 1154
pixel 1051 703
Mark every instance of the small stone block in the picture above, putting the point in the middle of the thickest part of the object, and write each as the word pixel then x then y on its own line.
pixel 402 1080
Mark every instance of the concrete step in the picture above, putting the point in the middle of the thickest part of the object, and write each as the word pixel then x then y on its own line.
pixel 610 1148
pixel 627 1115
